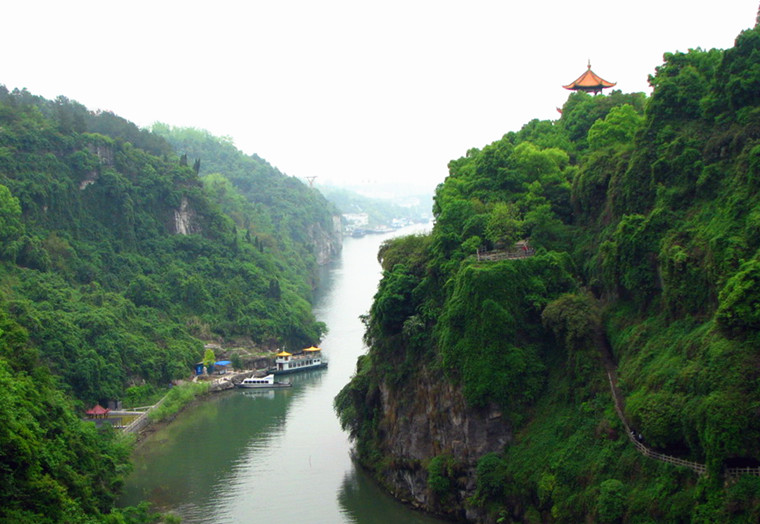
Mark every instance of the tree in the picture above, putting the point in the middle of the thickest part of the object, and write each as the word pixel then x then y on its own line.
pixel 617 128
pixel 611 502
pixel 208 358
pixel 11 227
pixel 504 226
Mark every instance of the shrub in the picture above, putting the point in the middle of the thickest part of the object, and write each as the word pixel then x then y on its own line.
pixel 441 475
pixel 611 502
pixel 491 477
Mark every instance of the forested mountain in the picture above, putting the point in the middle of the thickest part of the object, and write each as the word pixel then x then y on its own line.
pixel 116 261
pixel 277 209
pixel 486 393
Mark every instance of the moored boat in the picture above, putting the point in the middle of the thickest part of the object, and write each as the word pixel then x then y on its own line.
pixel 267 382
pixel 310 358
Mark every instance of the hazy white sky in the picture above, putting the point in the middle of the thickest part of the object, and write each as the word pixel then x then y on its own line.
pixel 348 91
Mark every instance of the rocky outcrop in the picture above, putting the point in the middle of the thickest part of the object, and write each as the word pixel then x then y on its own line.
pixel 105 156
pixel 327 242
pixel 183 219
pixel 427 418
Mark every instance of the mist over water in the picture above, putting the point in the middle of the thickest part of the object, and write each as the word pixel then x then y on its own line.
pixel 277 456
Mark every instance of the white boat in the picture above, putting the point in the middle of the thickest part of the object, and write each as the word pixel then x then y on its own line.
pixel 267 382
pixel 310 358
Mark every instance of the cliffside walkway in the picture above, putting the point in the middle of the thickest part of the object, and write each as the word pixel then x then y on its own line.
pixel 611 368
pixel 505 254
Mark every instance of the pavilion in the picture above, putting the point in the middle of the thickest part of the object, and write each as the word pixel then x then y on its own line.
pixel 589 82
pixel 98 412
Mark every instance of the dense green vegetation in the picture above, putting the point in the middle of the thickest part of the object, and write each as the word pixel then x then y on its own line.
pixel 278 212
pixel 116 262
pixel 643 214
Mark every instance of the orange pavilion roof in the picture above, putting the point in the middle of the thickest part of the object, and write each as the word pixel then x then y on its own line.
pixel 589 82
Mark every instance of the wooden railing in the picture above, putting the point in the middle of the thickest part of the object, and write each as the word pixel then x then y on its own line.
pixel 700 469
pixel 505 254
pixel 737 472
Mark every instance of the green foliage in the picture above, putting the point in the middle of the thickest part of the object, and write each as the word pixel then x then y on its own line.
pixel 573 319
pixel 411 251
pixel 393 302
pixel 55 467
pixel 177 398
pixel 11 227
pixel 658 416
pixel 618 128
pixel 491 477
pixel 739 301
pixel 738 75
pixel 650 206
pixel 582 111
pixel 208 358
pixel 114 259
pixel 611 504
pixel 441 475
pixel 488 335
pixel 503 227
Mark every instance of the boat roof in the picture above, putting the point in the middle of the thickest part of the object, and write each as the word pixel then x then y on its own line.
pixel 313 348
pixel 283 354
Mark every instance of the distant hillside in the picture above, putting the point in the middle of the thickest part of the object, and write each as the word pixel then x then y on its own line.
pixel 277 208
pixel 380 211
pixel 116 260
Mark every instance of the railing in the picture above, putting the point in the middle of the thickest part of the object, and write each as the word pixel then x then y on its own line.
pixel 736 472
pixel 505 255
pixel 142 421
pixel 701 469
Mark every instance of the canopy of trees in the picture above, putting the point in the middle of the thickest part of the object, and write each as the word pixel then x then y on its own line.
pixel 643 215
pixel 116 260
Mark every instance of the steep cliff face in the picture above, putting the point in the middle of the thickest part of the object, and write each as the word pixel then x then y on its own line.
pixel 327 241
pixel 185 219
pixel 428 418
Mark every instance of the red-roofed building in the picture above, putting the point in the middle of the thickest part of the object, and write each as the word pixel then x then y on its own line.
pixel 589 82
pixel 98 412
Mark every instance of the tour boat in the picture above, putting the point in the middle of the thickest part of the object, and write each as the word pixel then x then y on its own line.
pixel 309 358
pixel 267 382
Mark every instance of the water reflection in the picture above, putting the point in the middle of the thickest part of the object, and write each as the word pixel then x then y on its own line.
pixel 362 501
pixel 278 455
pixel 206 446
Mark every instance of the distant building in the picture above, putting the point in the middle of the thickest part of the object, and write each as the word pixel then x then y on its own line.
pixel 356 219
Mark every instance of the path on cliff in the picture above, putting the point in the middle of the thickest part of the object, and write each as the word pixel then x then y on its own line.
pixel 602 343
pixel 610 366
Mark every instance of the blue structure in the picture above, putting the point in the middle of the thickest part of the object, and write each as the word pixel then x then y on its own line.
pixel 222 365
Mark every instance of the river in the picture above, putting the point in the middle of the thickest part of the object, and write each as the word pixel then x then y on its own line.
pixel 277 456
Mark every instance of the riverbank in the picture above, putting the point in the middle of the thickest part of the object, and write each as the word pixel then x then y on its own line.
pixel 169 407
pixel 228 456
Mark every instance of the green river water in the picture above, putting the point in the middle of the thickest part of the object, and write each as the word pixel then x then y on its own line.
pixel 277 456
